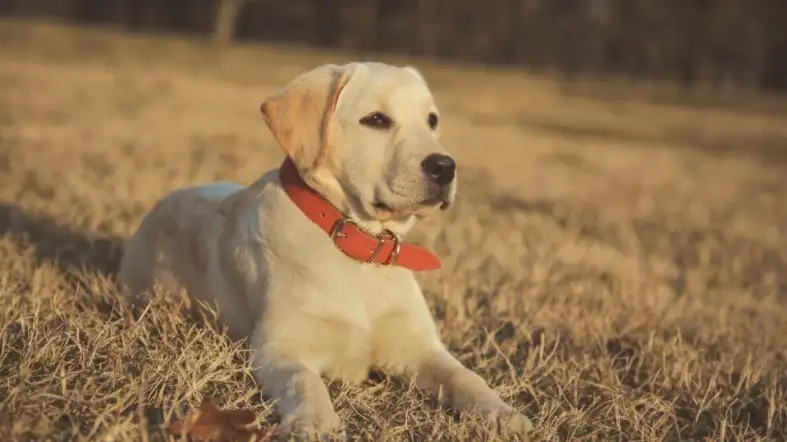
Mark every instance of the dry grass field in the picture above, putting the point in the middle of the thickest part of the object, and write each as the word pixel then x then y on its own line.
pixel 616 269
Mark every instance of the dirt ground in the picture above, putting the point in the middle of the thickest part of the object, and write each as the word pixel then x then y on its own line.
pixel 615 269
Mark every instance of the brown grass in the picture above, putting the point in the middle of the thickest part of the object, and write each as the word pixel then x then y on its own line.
pixel 615 269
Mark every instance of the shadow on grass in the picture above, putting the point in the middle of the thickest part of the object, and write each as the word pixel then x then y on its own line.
pixel 70 250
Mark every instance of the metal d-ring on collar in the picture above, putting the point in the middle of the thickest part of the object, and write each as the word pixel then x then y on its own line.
pixel 336 233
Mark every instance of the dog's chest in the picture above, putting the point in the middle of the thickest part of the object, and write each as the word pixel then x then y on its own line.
pixel 358 319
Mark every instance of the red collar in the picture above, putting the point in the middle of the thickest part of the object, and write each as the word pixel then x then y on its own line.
pixel 385 249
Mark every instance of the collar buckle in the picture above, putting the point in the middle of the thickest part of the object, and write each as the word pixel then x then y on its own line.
pixel 337 232
pixel 337 229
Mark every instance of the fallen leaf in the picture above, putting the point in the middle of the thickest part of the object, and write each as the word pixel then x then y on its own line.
pixel 210 423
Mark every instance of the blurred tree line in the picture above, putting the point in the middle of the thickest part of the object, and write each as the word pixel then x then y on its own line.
pixel 721 43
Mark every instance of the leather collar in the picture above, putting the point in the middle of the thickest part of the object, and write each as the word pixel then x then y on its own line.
pixel 385 249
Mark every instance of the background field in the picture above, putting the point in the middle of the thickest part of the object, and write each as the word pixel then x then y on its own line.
pixel 615 269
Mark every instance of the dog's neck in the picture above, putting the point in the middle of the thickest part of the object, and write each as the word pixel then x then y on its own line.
pixel 377 245
pixel 324 184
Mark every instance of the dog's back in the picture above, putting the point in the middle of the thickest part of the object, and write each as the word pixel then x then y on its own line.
pixel 176 224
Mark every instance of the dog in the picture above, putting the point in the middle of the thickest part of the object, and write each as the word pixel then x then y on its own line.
pixel 308 264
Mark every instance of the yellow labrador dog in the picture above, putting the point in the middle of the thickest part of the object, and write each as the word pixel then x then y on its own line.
pixel 307 264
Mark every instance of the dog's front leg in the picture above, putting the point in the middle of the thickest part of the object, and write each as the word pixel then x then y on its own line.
pixel 303 403
pixel 463 390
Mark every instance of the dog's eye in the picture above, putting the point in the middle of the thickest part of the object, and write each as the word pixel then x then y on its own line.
pixel 377 120
pixel 433 120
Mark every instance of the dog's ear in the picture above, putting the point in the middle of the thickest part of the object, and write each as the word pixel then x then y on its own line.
pixel 299 114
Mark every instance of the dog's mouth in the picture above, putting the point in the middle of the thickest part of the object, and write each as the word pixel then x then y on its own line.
pixel 440 200
pixel 435 200
pixel 383 207
pixel 440 196
pixel 388 204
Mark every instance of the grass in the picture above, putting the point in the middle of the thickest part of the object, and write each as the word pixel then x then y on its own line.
pixel 616 269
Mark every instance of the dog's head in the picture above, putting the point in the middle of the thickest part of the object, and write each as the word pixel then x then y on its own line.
pixel 365 136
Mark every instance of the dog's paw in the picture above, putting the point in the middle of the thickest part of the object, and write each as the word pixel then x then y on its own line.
pixel 506 422
pixel 309 424
pixel 512 422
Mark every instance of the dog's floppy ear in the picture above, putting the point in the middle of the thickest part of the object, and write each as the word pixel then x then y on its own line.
pixel 299 114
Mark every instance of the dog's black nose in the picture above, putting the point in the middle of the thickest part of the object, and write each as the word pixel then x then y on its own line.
pixel 439 168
